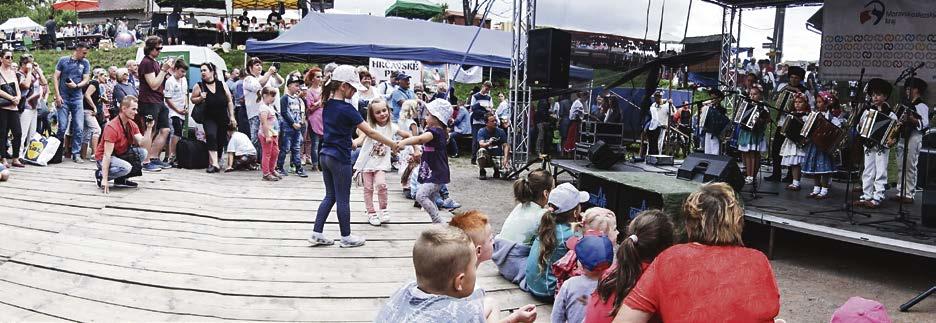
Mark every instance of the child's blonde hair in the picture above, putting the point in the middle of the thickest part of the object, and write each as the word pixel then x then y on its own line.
pixel 371 118
pixel 409 109
pixel 440 254
pixel 600 219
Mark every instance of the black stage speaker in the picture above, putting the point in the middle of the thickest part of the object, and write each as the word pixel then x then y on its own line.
pixel 711 168
pixel 602 156
pixel 549 53
pixel 927 180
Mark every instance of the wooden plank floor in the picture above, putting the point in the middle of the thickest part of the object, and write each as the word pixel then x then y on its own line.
pixel 191 246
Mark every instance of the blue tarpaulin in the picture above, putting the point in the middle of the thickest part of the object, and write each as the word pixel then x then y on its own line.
pixel 321 34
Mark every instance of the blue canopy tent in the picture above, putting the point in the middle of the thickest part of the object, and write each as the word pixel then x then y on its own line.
pixel 354 38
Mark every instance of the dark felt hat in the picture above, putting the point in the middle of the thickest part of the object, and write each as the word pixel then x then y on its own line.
pixel 916 83
pixel 796 70
pixel 877 85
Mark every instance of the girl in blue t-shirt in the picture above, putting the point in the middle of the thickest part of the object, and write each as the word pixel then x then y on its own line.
pixel 335 154
pixel 434 168
pixel 550 242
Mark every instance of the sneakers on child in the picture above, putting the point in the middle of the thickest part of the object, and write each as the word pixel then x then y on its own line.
pixel 301 172
pixel 384 216
pixel 318 239
pixel 815 191
pixel 450 204
pixel 373 219
pixel 351 241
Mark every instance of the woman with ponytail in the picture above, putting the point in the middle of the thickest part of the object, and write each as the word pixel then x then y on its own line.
pixel 512 244
pixel 713 278
pixel 550 243
pixel 647 235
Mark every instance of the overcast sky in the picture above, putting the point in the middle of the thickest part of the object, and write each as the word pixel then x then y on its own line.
pixel 628 18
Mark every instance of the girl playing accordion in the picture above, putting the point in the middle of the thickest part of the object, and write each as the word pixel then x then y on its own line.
pixel 751 143
pixel 818 162
pixel 791 152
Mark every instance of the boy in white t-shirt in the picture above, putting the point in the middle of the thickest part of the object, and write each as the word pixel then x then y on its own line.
pixel 241 154
pixel 176 93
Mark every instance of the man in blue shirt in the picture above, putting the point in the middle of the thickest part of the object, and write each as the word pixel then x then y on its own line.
pixel 461 127
pixel 402 93
pixel 72 73
pixel 493 142
pixel 172 26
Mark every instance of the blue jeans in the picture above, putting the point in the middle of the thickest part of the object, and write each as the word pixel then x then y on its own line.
pixel 254 129
pixel 291 142
pixel 72 112
pixel 316 145
pixel 337 176
pixel 119 167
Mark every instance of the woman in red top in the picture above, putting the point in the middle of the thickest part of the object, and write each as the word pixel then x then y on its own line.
pixel 648 234
pixel 713 278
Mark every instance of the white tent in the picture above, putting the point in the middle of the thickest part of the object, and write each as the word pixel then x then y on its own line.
pixel 21 23
pixel 196 56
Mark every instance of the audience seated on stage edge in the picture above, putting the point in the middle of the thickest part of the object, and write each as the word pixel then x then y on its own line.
pixel 512 244
pixel 713 278
pixel 554 229
pixel 595 253
pixel 446 270
pixel 648 234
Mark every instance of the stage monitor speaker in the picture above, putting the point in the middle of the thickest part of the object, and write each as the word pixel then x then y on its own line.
pixel 927 180
pixel 711 168
pixel 549 53
pixel 602 156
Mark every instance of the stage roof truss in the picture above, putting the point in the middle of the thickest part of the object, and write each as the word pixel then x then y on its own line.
pixel 761 4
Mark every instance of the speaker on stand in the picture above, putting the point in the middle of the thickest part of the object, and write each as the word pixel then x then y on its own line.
pixel 549 56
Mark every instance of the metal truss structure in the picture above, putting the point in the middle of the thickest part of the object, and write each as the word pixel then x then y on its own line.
pixel 524 20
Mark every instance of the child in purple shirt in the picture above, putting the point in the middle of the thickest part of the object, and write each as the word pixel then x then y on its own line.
pixel 434 168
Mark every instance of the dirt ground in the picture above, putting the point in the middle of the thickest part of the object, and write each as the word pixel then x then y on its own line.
pixel 815 275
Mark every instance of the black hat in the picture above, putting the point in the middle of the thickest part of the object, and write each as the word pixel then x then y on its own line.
pixel 877 85
pixel 916 83
pixel 796 70
pixel 294 79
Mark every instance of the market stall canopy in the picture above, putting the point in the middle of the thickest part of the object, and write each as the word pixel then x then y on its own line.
pixel 364 36
pixel 75 5
pixel 21 23
pixel 415 9
pixel 264 4
pixel 201 4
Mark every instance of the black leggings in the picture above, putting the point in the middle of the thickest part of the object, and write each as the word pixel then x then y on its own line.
pixel 10 123
pixel 215 134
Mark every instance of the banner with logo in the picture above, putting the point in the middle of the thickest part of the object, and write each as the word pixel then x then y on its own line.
pixel 882 36
pixel 380 69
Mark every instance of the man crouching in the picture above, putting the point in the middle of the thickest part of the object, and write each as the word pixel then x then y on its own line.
pixel 119 152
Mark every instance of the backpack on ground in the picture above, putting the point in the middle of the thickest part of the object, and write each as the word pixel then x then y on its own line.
pixel 191 153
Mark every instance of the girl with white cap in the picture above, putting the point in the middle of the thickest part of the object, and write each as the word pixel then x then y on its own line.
pixel 550 243
pixel 343 118
pixel 434 167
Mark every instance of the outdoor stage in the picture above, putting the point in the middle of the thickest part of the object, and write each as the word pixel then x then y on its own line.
pixel 790 211
pixel 191 246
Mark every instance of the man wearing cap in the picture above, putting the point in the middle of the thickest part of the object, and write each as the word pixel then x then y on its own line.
pixel 917 121
pixel 659 120
pixel 796 75
pixel 492 141
pixel 402 93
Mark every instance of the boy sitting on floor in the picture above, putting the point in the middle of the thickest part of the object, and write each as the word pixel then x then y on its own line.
pixel 241 154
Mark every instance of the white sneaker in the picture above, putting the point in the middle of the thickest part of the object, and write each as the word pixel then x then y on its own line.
pixel 373 219
pixel 351 241
pixel 384 216
pixel 748 180
pixel 318 239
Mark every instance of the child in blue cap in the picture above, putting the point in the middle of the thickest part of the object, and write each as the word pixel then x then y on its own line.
pixel 595 254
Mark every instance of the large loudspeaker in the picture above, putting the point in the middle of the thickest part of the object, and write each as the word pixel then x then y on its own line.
pixel 602 156
pixel 711 168
pixel 927 170
pixel 549 53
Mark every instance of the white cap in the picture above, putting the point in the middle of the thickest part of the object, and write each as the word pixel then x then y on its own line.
pixel 347 74
pixel 566 197
pixel 441 109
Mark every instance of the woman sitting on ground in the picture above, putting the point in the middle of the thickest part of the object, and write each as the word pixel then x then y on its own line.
pixel 512 245
pixel 647 235
pixel 713 278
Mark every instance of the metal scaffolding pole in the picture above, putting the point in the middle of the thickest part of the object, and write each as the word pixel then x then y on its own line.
pixel 524 20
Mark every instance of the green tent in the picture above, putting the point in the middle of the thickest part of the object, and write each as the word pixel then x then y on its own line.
pixel 416 9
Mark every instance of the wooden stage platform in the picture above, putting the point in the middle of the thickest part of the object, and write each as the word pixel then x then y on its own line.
pixel 791 211
pixel 191 246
